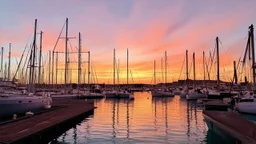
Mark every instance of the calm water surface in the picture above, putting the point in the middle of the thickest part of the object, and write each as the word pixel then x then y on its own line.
pixel 144 120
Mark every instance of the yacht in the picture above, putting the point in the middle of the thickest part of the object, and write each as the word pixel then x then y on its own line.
pixel 196 94
pixel 247 104
pixel 22 103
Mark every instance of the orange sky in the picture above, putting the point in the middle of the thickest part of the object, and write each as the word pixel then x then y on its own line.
pixel 146 28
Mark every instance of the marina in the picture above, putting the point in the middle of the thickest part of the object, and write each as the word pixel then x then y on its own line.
pixel 34 129
pixel 127 72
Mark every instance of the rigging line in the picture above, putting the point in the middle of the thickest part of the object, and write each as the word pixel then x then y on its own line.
pixel 220 41
pixel 18 66
pixel 131 76
pixel 212 60
pixel 226 52
pixel 207 66
pixel 234 76
pixel 240 69
pixel 240 72
pixel 70 45
pixel 59 36
pixel 95 73
pixel 26 60
pixel 247 48
pixel 26 75
pixel 190 68
pixel 72 48
pixel 182 67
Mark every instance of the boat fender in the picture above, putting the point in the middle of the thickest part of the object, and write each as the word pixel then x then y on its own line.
pixel 14 116
pixel 29 114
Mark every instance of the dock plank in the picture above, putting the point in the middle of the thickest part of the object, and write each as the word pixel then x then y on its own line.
pixel 234 124
pixel 15 131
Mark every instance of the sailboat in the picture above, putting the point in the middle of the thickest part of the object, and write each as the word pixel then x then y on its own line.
pixel 197 93
pixel 22 102
pixel 249 106
pixel 113 92
pixel 165 91
pixel 126 93
pixel 185 91
pixel 212 93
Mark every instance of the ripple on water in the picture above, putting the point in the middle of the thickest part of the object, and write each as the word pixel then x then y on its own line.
pixel 144 120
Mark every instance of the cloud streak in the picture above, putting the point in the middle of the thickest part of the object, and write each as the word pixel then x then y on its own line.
pixel 146 28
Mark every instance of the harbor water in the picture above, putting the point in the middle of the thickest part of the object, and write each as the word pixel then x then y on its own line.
pixel 142 120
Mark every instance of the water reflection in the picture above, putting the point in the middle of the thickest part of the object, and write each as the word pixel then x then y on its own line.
pixel 144 120
pixel 113 119
pixel 127 119
pixel 188 120
pixel 250 117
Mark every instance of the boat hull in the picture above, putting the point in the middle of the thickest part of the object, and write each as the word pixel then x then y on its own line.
pixel 20 105
pixel 195 96
pixel 247 107
pixel 162 94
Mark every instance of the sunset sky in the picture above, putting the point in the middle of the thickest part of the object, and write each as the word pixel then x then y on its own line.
pixel 147 28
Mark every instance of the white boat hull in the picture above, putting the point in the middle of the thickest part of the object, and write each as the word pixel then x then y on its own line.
pixel 162 94
pixel 247 107
pixel 10 105
pixel 195 96
pixel 64 95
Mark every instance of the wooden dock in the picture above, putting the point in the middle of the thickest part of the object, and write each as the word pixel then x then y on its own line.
pixel 38 128
pixel 233 124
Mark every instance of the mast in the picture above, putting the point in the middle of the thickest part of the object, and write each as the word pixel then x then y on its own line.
pixel 40 58
pixel 66 52
pixel 56 69
pixel 252 46
pixel 114 67
pixel 235 74
pixel 9 63
pixel 118 71
pixel 79 60
pixel 165 67
pixel 218 63
pixel 127 67
pixel 194 69
pixel 43 76
pixel 187 66
pixel 53 52
pixel 5 71
pixel 32 61
pixel 70 74
pixel 155 72
pixel 49 67
pixel 84 75
pixel 204 64
pixel 89 72
pixel 162 72
pixel 2 56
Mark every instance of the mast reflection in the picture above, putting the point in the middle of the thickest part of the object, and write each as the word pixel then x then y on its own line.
pixel 155 116
pixel 113 119
pixel 188 120
pixel 127 119
pixel 75 134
